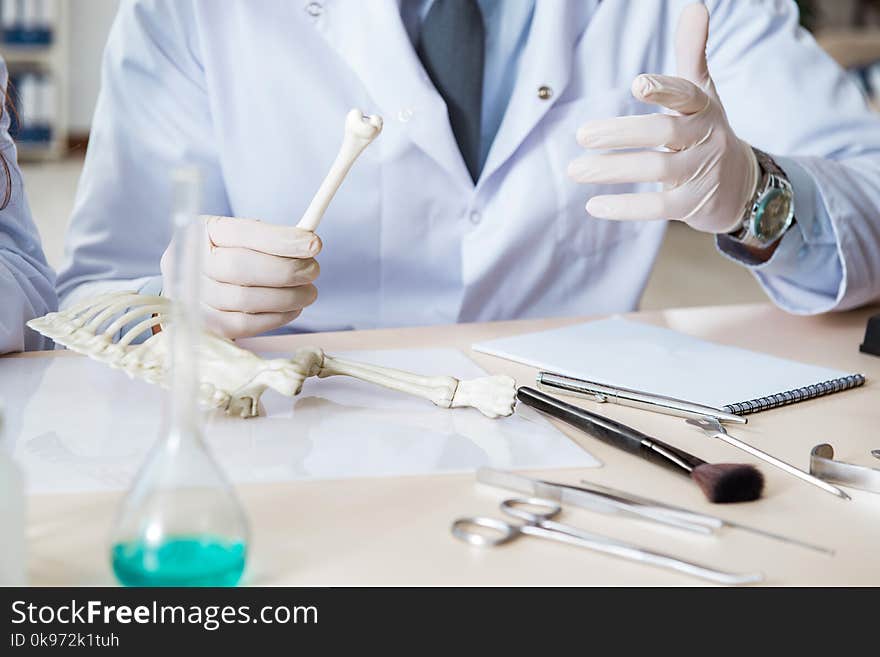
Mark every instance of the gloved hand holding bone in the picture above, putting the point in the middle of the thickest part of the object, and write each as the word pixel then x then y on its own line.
pixel 259 276
pixel 709 175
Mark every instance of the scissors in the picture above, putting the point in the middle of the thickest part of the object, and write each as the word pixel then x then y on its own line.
pixel 539 515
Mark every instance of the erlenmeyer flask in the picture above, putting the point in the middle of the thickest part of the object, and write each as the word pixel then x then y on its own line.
pixel 181 523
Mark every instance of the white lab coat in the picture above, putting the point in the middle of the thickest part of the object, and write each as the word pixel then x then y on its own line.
pixel 255 92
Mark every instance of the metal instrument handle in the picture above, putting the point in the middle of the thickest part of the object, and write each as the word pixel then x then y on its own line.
pixel 782 465
pixel 655 506
pixel 712 428
pixel 566 494
pixel 515 507
pixel 467 530
pixel 693 516
pixel 823 465
pixel 633 553
pixel 601 393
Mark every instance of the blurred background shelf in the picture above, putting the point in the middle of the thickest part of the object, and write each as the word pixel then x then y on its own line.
pixel 34 43
pixel 851 48
pixel 15 55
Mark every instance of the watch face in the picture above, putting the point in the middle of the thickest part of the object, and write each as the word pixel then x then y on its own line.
pixel 774 214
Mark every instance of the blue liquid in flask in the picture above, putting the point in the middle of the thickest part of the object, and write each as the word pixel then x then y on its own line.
pixel 180 523
pixel 198 560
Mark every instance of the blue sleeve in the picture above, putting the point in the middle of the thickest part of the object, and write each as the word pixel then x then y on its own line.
pixel 805 273
pixel 785 95
pixel 27 283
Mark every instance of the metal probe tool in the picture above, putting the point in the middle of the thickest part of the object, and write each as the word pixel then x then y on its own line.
pixel 696 516
pixel 712 428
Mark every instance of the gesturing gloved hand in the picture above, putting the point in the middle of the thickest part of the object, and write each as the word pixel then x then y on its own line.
pixel 257 276
pixel 709 175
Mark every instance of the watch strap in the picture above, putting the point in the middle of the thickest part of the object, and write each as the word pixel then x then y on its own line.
pixel 772 177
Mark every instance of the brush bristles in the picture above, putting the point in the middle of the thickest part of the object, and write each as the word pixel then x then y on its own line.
pixel 729 482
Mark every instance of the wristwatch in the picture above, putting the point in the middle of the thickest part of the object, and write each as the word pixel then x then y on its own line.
pixel 772 210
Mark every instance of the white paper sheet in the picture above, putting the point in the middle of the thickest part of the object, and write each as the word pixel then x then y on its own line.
pixel 643 357
pixel 76 425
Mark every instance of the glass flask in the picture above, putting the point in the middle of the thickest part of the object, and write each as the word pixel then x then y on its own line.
pixel 181 523
pixel 13 557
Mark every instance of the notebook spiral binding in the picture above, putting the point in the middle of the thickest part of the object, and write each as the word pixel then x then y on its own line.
pixel 796 395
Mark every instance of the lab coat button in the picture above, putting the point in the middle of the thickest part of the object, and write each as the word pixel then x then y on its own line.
pixel 404 115
pixel 476 218
pixel 545 92
pixel 314 9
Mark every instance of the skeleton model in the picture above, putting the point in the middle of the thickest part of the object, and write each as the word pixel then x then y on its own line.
pixel 233 378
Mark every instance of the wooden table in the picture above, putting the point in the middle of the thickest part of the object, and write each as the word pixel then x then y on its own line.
pixel 395 531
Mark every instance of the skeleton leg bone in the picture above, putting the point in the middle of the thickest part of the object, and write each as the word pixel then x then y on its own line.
pixel 360 130
pixel 493 396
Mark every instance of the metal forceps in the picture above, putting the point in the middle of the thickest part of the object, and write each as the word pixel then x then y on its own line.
pixel 539 515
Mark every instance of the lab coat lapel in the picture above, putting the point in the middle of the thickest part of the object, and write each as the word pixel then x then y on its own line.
pixel 371 38
pixel 546 61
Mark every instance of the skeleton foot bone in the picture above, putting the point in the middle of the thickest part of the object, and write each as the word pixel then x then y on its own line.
pixel 234 378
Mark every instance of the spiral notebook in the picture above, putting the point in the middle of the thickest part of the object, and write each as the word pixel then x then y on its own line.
pixel 661 361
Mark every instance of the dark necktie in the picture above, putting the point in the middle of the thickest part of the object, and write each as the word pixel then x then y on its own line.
pixel 452 47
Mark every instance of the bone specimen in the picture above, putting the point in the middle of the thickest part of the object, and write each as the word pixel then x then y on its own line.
pixel 233 378
pixel 360 130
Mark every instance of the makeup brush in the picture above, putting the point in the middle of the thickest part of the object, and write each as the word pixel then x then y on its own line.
pixel 720 482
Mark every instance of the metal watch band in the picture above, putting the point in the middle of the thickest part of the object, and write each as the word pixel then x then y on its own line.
pixel 768 164
pixel 773 177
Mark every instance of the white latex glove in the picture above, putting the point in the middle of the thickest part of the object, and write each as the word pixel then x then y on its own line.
pixel 257 276
pixel 709 176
